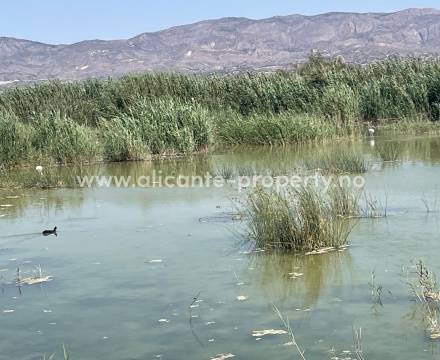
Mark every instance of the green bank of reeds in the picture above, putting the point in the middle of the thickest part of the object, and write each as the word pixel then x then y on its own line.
pixel 300 219
pixel 149 114
pixel 280 129
pixel 162 126
pixel 15 141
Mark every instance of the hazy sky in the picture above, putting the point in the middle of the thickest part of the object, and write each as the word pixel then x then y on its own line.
pixel 67 21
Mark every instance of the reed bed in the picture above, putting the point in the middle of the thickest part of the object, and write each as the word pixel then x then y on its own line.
pixel 153 114
pixel 300 219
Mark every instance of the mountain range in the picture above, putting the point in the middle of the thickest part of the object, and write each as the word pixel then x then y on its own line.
pixel 228 45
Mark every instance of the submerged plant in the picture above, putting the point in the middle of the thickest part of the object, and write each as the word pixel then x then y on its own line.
pixel 300 219
pixel 430 206
pixel 340 161
pixel 432 324
pixel 389 151
pixel 424 286
pixel 286 324
pixel 376 290
pixel 226 171
pixel 373 208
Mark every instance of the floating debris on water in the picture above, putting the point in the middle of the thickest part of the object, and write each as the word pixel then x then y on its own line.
pixel 210 323
pixel 295 275
pixel 47 311
pixel 245 252
pixel 327 250
pixel 34 280
pixel 290 343
pixel 8 311
pixel 211 340
pixel 155 261
pixel 222 217
pixel 336 300
pixel 260 333
pixel 242 298
pixel 435 336
pixel 194 306
pixel 163 321
pixel 223 356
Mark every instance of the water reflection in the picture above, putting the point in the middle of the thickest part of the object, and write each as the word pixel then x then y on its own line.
pixel 283 277
pixel 15 202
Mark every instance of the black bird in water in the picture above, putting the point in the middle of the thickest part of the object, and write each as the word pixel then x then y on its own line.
pixel 50 232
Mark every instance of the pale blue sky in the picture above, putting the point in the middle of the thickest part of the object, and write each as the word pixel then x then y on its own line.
pixel 67 21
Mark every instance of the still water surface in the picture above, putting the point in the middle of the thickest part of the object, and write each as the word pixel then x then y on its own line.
pixel 107 300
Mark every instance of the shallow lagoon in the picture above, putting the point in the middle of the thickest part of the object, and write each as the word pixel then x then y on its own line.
pixel 107 297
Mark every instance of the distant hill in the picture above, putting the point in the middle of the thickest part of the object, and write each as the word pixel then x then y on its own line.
pixel 228 44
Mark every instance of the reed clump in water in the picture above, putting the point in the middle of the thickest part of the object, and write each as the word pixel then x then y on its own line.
pixel 300 219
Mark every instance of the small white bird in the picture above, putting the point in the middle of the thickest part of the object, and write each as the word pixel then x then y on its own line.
pixel 371 131
pixel 39 169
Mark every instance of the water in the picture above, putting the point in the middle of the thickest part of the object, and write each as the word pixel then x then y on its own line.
pixel 107 297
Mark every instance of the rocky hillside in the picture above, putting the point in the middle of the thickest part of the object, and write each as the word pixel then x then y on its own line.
pixel 228 44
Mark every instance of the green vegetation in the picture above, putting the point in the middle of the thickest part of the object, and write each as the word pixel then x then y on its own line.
pixel 300 219
pixel 139 116
pixel 278 129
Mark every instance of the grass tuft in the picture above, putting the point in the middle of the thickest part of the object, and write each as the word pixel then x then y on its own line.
pixel 300 219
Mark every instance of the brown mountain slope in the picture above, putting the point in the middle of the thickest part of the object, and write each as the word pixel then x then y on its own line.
pixel 229 44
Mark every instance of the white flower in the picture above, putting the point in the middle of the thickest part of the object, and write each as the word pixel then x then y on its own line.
pixel 39 168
